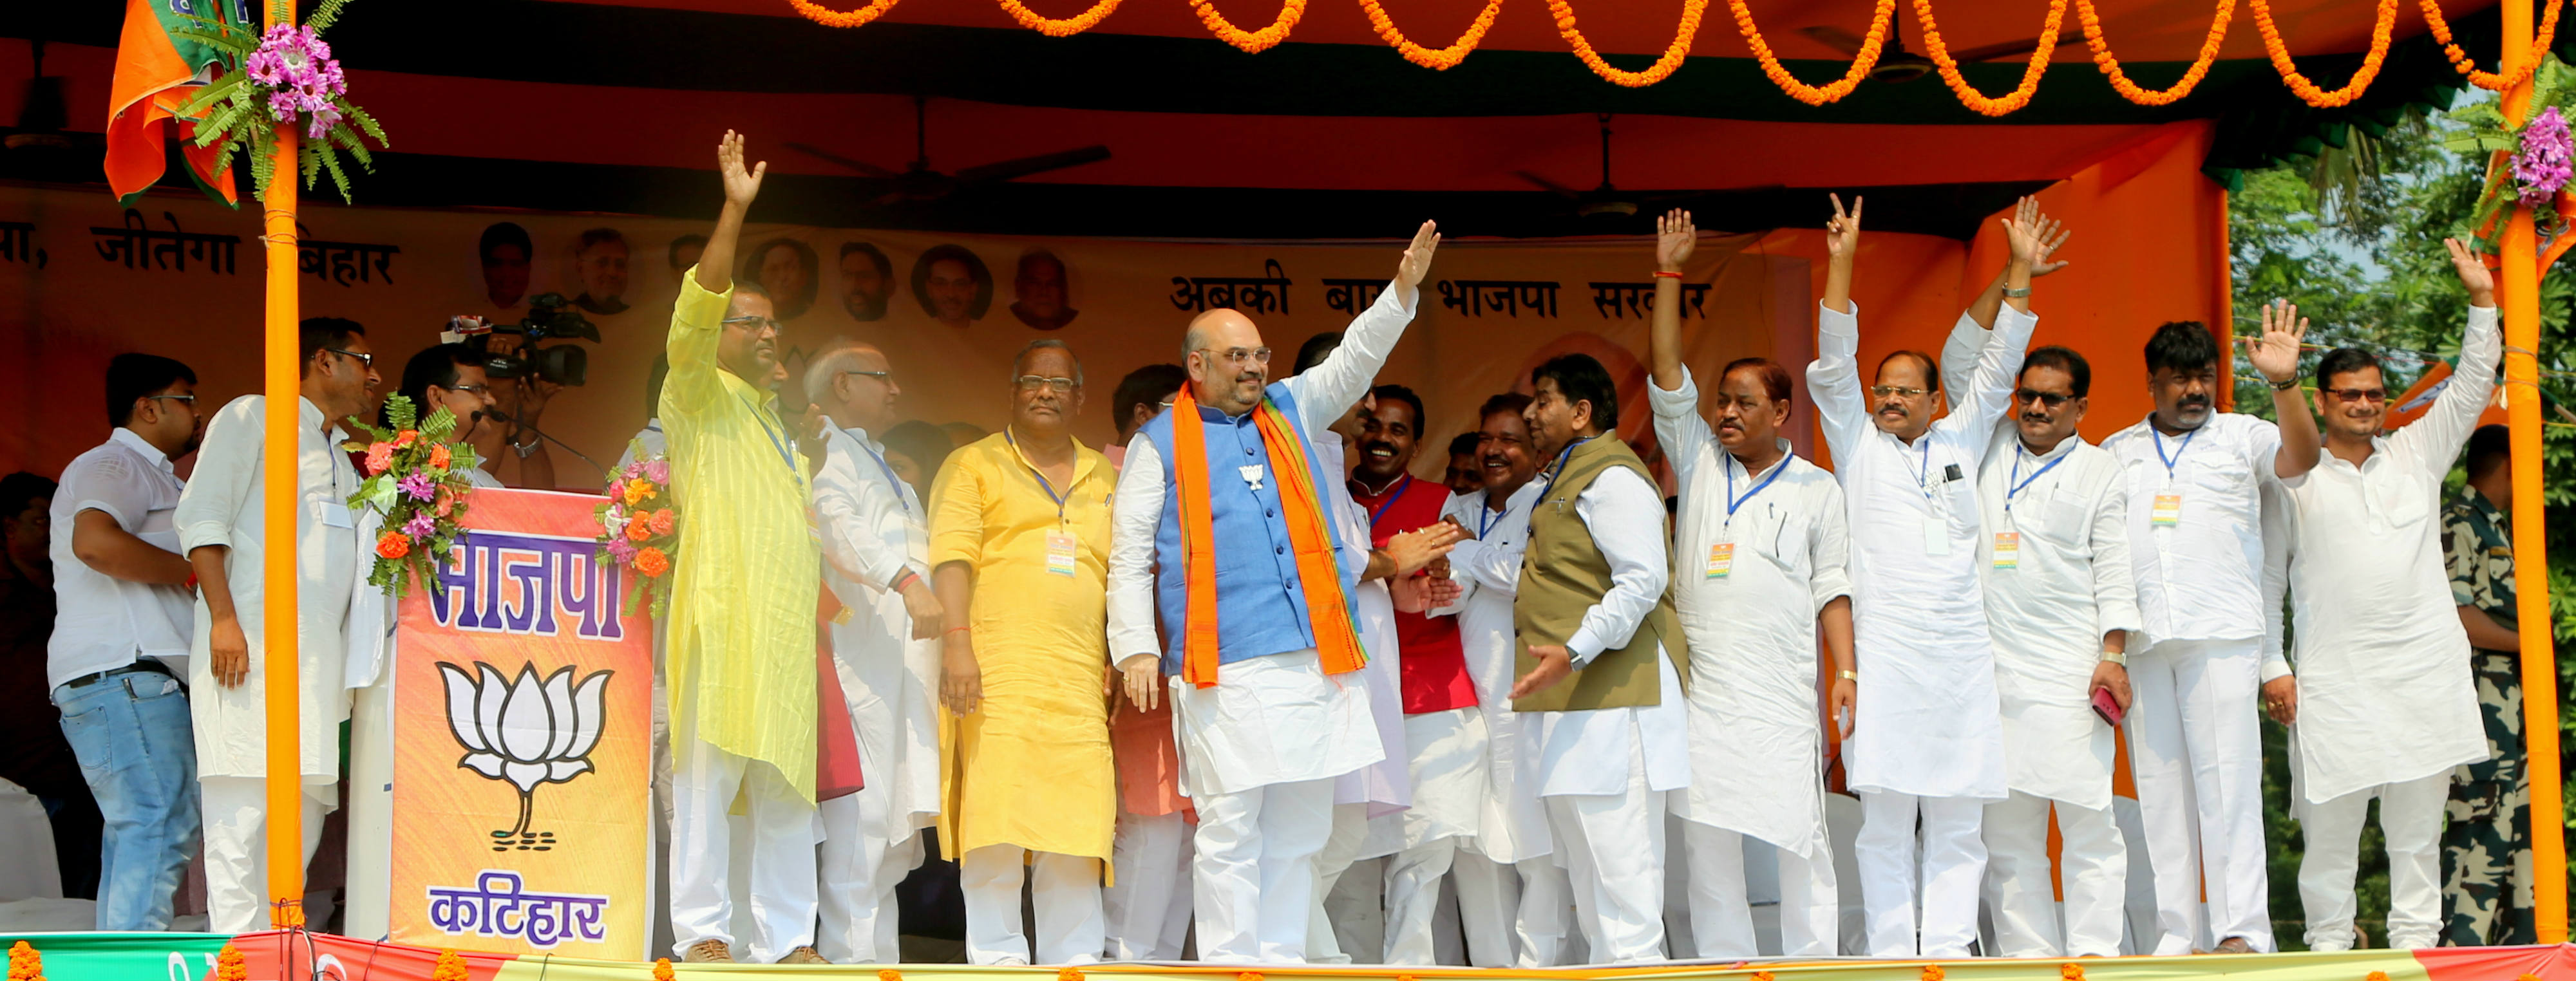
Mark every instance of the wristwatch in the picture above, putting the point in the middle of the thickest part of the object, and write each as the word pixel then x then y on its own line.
pixel 1848 675
pixel 2120 658
pixel 2286 384
pixel 528 449
pixel 2017 293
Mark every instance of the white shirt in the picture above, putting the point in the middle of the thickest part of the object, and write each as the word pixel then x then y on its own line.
pixel 1749 588
pixel 2200 578
pixel 1386 785
pixel 1928 721
pixel 1487 569
pixel 103 623
pixel 1587 752
pixel 2385 691
pixel 873 530
pixel 651 439
pixel 224 505
pixel 2067 583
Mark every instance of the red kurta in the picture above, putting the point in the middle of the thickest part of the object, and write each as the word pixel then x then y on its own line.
pixel 1435 666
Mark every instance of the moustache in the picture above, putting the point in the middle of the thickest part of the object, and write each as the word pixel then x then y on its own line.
pixel 2193 402
pixel 2036 417
pixel 1896 407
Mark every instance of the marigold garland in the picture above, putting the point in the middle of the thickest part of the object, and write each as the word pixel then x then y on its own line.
pixel 889 974
pixel 1068 27
pixel 833 18
pixel 2468 66
pixel 230 965
pixel 2308 91
pixel 2020 95
pixel 1762 976
pixel 2375 976
pixel 1252 42
pixel 662 969
pixel 450 967
pixel 1933 972
pixel 2091 21
pixel 1439 60
pixel 1660 70
pixel 25 964
pixel 1811 94
pixel 1068 974
pixel 2071 971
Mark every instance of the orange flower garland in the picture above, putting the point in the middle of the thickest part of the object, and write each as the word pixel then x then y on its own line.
pixel 450 967
pixel 1439 60
pixel 2468 66
pixel 1660 70
pixel 24 963
pixel 833 18
pixel 2308 91
pixel 1068 974
pixel 230 965
pixel 1252 42
pixel 1068 27
pixel 662 969
pixel 1968 94
pixel 1801 91
pixel 1933 972
pixel 2071 971
pixel 889 974
pixel 2092 24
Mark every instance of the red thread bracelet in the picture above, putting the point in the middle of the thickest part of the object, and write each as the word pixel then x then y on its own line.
pixel 1673 275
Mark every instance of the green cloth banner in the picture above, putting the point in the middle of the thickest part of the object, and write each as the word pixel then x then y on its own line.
pixel 124 956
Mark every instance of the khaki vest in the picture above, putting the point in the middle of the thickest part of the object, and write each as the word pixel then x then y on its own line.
pixel 1564 574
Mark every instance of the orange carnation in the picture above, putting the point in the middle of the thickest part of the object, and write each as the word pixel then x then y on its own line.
pixel 394 545
pixel 439 455
pixel 662 521
pixel 638 530
pixel 379 456
pixel 651 562
pixel 405 438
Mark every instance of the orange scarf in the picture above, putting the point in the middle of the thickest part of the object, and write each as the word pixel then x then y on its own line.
pixel 1319 575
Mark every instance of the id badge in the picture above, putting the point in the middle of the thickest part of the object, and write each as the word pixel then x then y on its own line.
pixel 1936 535
pixel 1721 559
pixel 336 515
pixel 1059 557
pixel 2168 511
pixel 2007 549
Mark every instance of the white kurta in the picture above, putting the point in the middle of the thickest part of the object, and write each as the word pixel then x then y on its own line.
pixel 2385 691
pixel 873 529
pixel 2200 577
pixel 1756 742
pixel 1587 752
pixel 2067 585
pixel 223 505
pixel 1384 785
pixel 1512 826
pixel 1928 722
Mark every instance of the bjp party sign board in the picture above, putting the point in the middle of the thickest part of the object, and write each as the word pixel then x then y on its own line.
pixel 522 742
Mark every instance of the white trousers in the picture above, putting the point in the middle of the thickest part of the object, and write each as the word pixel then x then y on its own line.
pixel 2196 749
pixel 1513 915
pixel 236 836
pixel 1147 910
pixel 1063 889
pixel 862 858
pixel 1939 876
pixel 704 783
pixel 1252 874
pixel 1413 898
pixel 1721 917
pixel 2094 859
pixel 1341 848
pixel 1618 885
pixel 2410 817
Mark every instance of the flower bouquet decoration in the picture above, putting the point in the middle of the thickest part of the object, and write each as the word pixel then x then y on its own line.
pixel 279 78
pixel 2529 165
pixel 638 529
pixel 417 481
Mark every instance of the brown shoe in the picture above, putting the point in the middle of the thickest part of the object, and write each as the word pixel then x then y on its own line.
pixel 803 955
pixel 2233 945
pixel 708 952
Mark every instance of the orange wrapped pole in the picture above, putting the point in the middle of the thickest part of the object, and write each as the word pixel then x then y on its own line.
pixel 2521 295
pixel 278 650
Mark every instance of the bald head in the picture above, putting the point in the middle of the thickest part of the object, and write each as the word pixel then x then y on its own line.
pixel 1227 363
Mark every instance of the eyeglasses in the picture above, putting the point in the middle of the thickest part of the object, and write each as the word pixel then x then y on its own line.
pixel 881 375
pixel 1883 391
pixel 190 399
pixel 469 389
pixel 2049 399
pixel 1239 355
pixel 2358 394
pixel 364 360
pixel 757 323
pixel 1031 383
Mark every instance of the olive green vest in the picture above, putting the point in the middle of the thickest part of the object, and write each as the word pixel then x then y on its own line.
pixel 1564 574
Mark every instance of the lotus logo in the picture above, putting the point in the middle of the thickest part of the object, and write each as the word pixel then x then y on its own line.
pixel 526 732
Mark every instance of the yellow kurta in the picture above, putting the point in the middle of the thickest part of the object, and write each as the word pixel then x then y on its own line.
pixel 742 602
pixel 1031 767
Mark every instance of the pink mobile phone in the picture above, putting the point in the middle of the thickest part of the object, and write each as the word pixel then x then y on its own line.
pixel 2106 706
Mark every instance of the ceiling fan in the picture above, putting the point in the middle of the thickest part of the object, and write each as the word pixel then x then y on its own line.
pixel 1605 199
pixel 918 182
pixel 1895 64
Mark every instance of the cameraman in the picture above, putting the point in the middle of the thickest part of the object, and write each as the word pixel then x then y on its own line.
pixel 451 375
pixel 518 410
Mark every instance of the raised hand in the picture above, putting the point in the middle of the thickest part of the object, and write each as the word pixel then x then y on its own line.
pixel 2276 352
pixel 1675 237
pixel 740 185
pixel 1417 256
pixel 2027 230
pixel 1842 232
pixel 2473 273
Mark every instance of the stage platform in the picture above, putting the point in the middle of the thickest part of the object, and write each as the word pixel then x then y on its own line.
pixel 265 955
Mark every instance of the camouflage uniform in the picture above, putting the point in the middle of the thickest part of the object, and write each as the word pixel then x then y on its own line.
pixel 2486 848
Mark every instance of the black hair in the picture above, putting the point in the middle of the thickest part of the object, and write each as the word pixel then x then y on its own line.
pixel 876 257
pixel 751 262
pixel 132 376
pixel 1931 366
pixel 502 233
pixel 926 444
pixel 20 489
pixel 435 365
pixel 677 244
pixel 597 236
pixel 316 333
pixel 1315 350
pixel 1036 254
pixel 2490 447
pixel 1465 443
pixel 2182 345
pixel 2341 360
pixel 1149 385
pixel 653 386
pixel 2063 359
pixel 1581 379
pixel 974 269
pixel 1775 379
pixel 1512 402
pixel 1405 395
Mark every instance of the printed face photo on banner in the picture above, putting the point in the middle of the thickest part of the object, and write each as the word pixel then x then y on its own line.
pixel 505 252
pixel 952 285
pixel 599 271
pixel 1041 293
pixel 684 251
pixel 785 268
pixel 867 278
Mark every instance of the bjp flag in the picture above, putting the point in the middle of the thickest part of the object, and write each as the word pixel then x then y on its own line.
pixel 157 67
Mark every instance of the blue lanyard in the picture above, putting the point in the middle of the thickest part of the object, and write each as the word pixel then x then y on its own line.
pixel 784 456
pixel 1043 484
pixel 893 482
pixel 1488 516
pixel 1556 468
pixel 2016 484
pixel 1733 502
pixel 2160 448
pixel 1923 473
pixel 1405 485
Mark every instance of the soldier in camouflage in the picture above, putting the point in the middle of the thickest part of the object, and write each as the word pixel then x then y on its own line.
pixel 2486 849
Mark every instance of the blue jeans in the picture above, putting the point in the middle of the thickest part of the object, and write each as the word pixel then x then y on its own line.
pixel 136 748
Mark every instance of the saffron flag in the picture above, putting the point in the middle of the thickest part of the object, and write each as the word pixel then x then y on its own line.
pixel 157 66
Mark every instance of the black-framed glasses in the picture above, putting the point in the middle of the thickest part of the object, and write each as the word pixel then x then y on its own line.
pixel 1061 385
pixel 469 389
pixel 2049 399
pixel 1883 391
pixel 364 360
pixel 879 375
pixel 2358 394
pixel 190 399
pixel 1239 355
pixel 758 323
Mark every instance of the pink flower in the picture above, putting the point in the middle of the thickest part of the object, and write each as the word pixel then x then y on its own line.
pixel 657 471
pixel 2542 166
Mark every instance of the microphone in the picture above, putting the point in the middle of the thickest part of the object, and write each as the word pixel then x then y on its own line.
pixel 548 437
